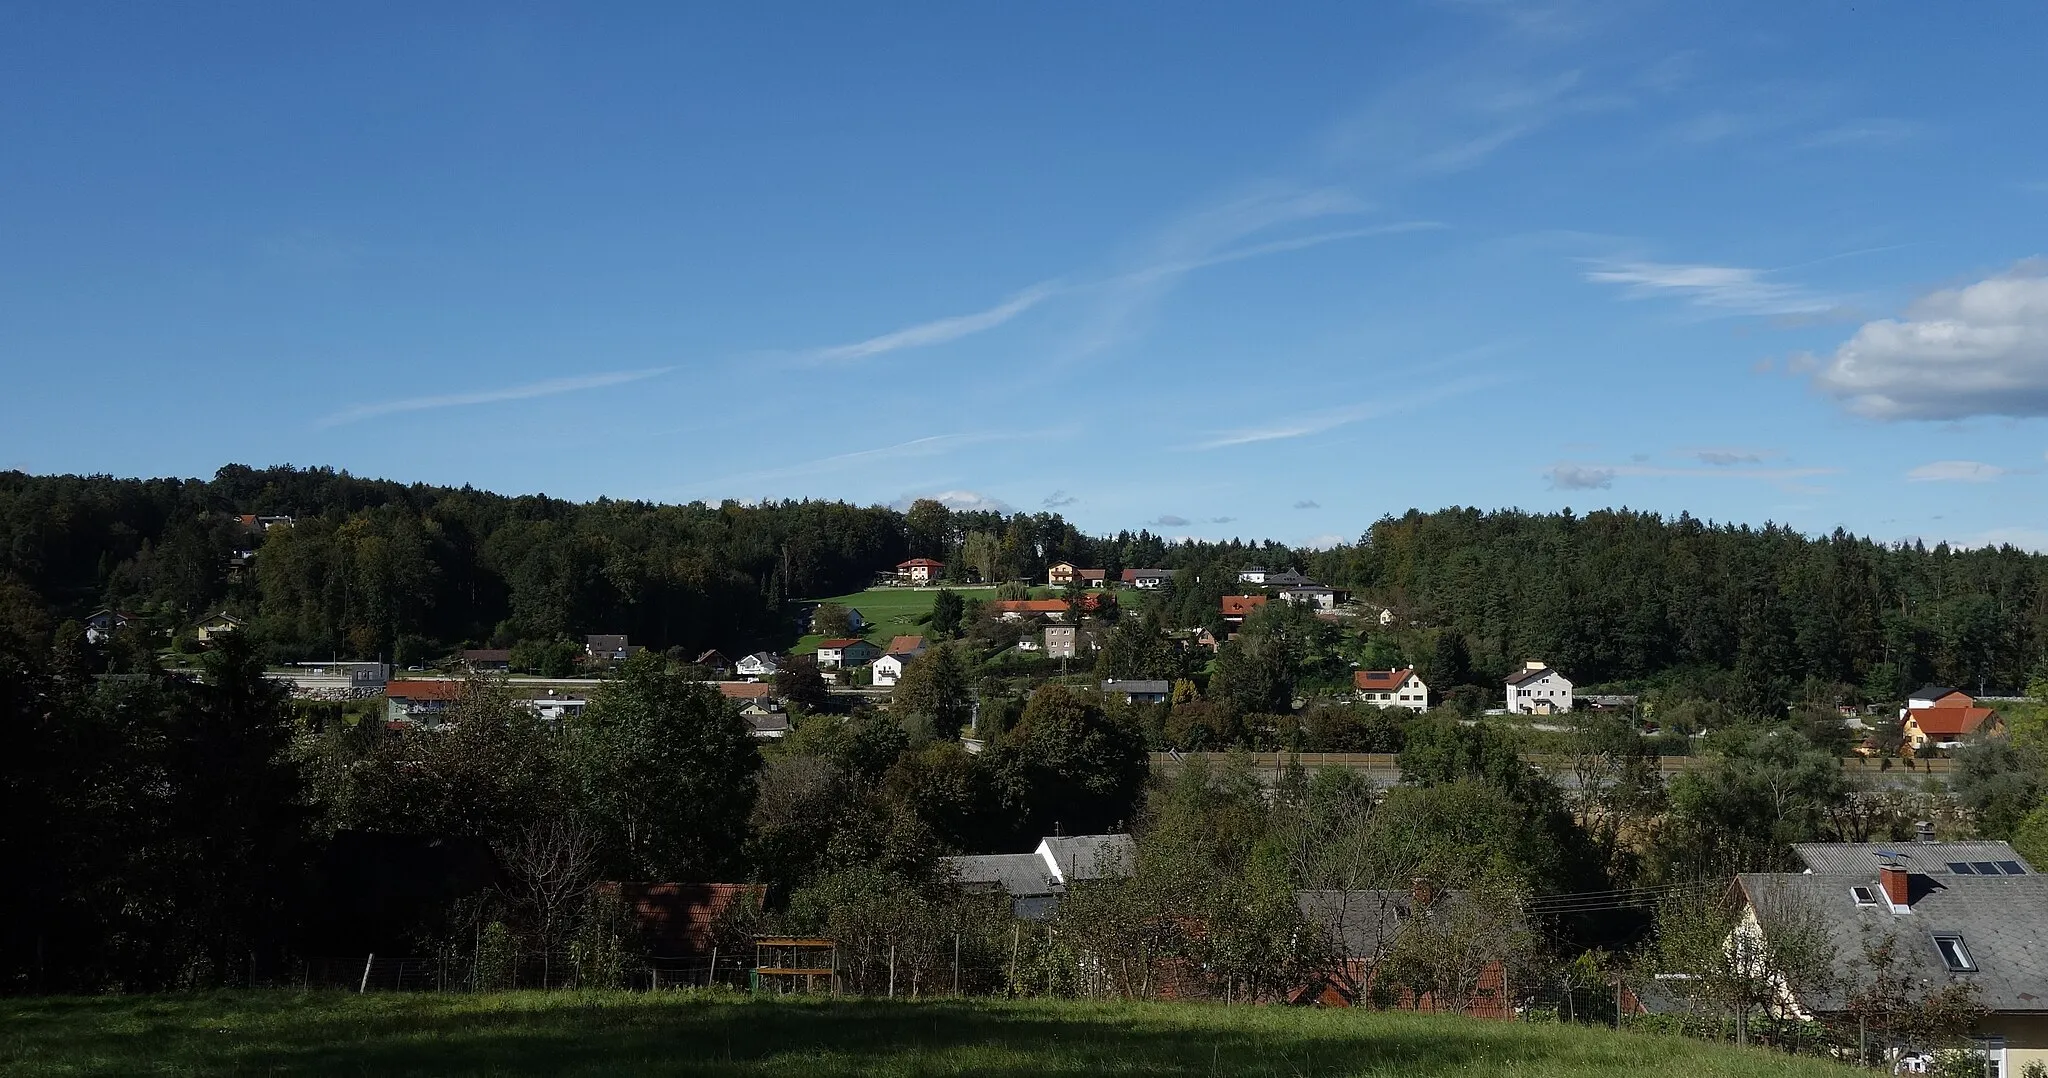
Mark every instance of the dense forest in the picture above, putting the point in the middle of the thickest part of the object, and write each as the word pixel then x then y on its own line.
pixel 411 572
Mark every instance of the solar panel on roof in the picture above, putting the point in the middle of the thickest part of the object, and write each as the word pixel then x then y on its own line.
pixel 1985 868
pixel 2012 868
pixel 1961 869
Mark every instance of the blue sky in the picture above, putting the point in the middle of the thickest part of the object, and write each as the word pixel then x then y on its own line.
pixel 1260 271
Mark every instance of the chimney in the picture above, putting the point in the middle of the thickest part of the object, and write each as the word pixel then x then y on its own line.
pixel 1422 891
pixel 1924 831
pixel 1896 882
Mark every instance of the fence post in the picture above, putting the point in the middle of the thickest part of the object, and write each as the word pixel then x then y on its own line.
pixel 1013 958
pixel 956 963
pixel 892 969
pixel 711 977
pixel 365 985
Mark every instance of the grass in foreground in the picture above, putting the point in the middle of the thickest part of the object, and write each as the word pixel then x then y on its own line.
pixel 616 1033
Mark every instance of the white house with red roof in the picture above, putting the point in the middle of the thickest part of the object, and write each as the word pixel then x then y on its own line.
pixel 1391 688
pixel 920 571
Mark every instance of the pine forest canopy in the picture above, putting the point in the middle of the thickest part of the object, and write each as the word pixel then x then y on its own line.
pixel 375 567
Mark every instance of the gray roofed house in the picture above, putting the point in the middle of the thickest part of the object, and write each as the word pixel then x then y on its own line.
pixel 1091 857
pixel 1990 931
pixel 1036 881
pixel 605 646
pixel 1932 858
pixel 1139 692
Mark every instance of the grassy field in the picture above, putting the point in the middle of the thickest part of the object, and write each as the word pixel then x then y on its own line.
pixel 891 611
pixel 606 1033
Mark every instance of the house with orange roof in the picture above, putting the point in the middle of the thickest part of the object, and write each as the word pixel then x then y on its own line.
pixel 1019 609
pixel 1949 726
pixel 1064 573
pixel 1235 607
pixel 920 571
pixel 1391 688
pixel 847 651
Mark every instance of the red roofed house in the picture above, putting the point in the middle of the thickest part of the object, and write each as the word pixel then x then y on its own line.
pixel 1064 573
pixel 846 651
pixel 1392 688
pixel 1946 727
pixel 1235 607
pixel 681 920
pixel 419 701
pixel 920 571
pixel 905 645
pixel 1018 609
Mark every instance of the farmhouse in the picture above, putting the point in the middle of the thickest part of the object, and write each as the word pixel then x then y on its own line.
pixel 920 571
pixel 1062 574
pixel 487 660
pixel 1949 726
pixel 1536 689
pixel 1316 596
pixel 1392 688
pixel 1148 579
pixel 219 624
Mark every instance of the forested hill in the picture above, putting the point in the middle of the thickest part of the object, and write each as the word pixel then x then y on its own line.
pixel 374 567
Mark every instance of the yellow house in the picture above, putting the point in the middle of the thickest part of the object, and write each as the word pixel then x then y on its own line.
pixel 218 625
pixel 1945 727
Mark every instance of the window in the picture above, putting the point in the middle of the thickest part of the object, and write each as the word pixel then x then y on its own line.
pixel 1954 953
pixel 1961 868
pixel 1985 868
pixel 2012 868
pixel 1864 896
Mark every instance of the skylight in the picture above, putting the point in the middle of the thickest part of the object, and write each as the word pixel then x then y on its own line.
pixel 1961 868
pixel 2012 868
pixel 1864 896
pixel 1954 953
pixel 1987 868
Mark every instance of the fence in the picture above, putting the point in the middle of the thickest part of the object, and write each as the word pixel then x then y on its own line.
pixel 451 973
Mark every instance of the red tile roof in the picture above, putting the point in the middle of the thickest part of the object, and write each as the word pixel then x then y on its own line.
pixel 1029 606
pixel 1237 606
pixel 424 690
pixel 841 642
pixel 681 918
pixel 915 562
pixel 904 645
pixel 1950 721
pixel 1380 680
pixel 745 690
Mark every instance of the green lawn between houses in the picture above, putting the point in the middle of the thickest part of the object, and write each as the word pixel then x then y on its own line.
pixel 902 611
pixel 692 1033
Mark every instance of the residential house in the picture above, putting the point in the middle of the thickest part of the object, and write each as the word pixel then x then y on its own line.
pixel 714 661
pixel 888 670
pixel 745 691
pixel 1059 641
pixel 906 645
pixel 1536 689
pixel 419 703
pixel 606 646
pixel 1987 930
pixel 219 624
pixel 1287 578
pixel 1386 616
pixel 920 571
pixel 681 920
pixel 1949 726
pixel 766 721
pixel 553 708
pixel 1252 574
pixel 1138 691
pixel 1392 688
pixel 102 624
pixel 487 660
pixel 1019 609
pixel 1937 696
pixel 1149 579
pixel 1312 595
pixel 1924 857
pixel 1037 880
pixel 1362 927
pixel 259 524
pixel 759 665
pixel 848 651
pixel 1236 607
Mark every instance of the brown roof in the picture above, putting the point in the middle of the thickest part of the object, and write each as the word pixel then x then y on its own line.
pixel 424 690
pixel 746 690
pixel 841 642
pixel 1953 721
pixel 1381 679
pixel 680 918
pixel 905 644
pixel 915 562
pixel 1029 606
pixel 487 655
pixel 1092 574
pixel 1240 605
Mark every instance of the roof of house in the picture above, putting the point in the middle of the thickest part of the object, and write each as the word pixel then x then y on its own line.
pixel 1132 575
pixel 1360 923
pixel 219 616
pixel 1092 574
pixel 745 690
pixel 681 918
pixel 1288 578
pixel 1138 688
pixel 1527 675
pixel 710 656
pixel 1381 679
pixel 2002 920
pixel 1935 692
pixel 915 562
pixel 1029 606
pixel 841 642
pixel 487 655
pixel 423 690
pixel 1953 721
pixel 1018 873
pixel 1242 604
pixel 764 723
pixel 605 641
pixel 767 657
pixel 1092 857
pixel 905 645
pixel 1931 858
pixel 1310 589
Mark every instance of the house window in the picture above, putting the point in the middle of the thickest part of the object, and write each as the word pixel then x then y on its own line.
pixel 1961 868
pixel 1864 896
pixel 2012 868
pixel 1954 953
pixel 1985 868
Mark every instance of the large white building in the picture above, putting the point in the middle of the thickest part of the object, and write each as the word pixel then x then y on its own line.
pixel 1391 688
pixel 1536 689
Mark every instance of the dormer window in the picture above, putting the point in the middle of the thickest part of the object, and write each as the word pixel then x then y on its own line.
pixel 1863 895
pixel 1955 954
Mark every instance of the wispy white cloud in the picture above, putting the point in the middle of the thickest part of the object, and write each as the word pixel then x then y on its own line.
pixel 1956 471
pixel 1168 520
pixel 1578 475
pixel 527 391
pixel 1736 289
pixel 1306 504
pixel 1871 132
pixel 940 330
pixel 1730 456
pixel 1318 422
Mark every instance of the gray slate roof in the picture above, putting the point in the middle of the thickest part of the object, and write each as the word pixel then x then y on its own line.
pixel 1093 857
pixel 1931 858
pixel 1520 676
pixel 1361 924
pixel 1020 874
pixel 2003 921
pixel 1160 688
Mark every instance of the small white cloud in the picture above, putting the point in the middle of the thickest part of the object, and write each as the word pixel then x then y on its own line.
pixel 1306 504
pixel 1324 542
pixel 1737 289
pixel 966 501
pixel 941 330
pixel 1728 458
pixel 1980 350
pixel 1955 471
pixel 1168 520
pixel 1575 477
pixel 491 396
pixel 1221 520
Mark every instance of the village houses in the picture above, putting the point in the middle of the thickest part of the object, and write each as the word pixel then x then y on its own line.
pixel 1536 689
